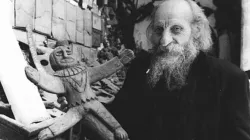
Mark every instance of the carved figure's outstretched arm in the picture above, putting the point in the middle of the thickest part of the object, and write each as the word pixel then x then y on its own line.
pixel 39 76
pixel 110 67
pixel 45 81
pixel 32 48
pixel 63 123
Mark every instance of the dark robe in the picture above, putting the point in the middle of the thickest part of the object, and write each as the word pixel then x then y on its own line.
pixel 214 104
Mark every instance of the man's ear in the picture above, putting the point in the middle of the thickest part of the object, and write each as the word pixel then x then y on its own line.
pixel 200 27
pixel 202 32
pixel 196 30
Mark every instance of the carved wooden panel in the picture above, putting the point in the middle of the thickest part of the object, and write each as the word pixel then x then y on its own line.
pixel 12 13
pixel 43 16
pixel 89 53
pixel 59 20
pixel 24 12
pixel 22 37
pixel 87 34
pixel 79 25
pixel 71 21
pixel 97 22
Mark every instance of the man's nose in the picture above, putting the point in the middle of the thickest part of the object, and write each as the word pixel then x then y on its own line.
pixel 165 40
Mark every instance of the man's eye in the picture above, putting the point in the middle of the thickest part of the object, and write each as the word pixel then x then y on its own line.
pixel 59 53
pixel 158 30
pixel 176 29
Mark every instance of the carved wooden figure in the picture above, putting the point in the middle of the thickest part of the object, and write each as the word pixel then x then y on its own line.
pixel 72 79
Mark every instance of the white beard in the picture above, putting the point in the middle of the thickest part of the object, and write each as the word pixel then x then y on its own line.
pixel 173 66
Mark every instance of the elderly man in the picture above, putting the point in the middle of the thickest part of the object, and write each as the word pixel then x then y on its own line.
pixel 178 92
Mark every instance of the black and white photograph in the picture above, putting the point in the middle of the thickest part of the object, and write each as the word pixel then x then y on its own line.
pixel 125 70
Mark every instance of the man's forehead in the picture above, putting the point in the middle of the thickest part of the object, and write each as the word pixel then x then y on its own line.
pixel 173 9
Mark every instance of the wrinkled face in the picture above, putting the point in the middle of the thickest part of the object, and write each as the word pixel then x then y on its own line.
pixel 173 44
pixel 171 25
pixel 64 57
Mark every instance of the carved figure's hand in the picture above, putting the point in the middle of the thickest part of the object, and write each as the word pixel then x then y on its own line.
pixel 121 134
pixel 44 80
pixel 32 74
pixel 45 134
pixel 126 56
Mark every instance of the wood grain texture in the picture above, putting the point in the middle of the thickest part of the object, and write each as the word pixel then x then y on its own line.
pixel 59 20
pixel 25 10
pixel 87 33
pixel 79 25
pixel 43 16
pixel 71 21
pixel 97 22
pixel 88 53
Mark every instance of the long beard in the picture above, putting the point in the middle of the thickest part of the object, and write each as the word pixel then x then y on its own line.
pixel 173 66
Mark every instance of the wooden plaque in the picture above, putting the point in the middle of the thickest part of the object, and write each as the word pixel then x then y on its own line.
pixel 97 22
pixel 87 33
pixel 59 20
pixel 79 25
pixel 24 10
pixel 71 21
pixel 43 16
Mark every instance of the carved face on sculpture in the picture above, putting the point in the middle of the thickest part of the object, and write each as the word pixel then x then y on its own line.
pixel 64 56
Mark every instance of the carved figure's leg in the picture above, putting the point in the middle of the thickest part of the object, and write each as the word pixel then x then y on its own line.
pixel 63 123
pixel 104 115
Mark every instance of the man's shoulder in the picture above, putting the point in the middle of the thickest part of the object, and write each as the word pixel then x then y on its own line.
pixel 224 67
pixel 142 56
